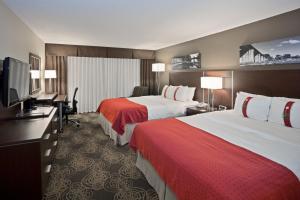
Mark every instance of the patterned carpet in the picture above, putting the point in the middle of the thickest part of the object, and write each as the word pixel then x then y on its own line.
pixel 88 165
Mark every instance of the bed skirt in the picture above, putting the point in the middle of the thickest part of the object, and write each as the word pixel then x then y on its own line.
pixel 163 191
pixel 118 139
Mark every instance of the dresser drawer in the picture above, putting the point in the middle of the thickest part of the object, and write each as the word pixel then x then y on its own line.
pixel 55 122
pixel 46 169
pixel 48 145
pixel 47 139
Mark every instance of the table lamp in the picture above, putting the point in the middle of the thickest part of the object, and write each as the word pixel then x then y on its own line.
pixel 158 67
pixel 34 74
pixel 50 74
pixel 211 83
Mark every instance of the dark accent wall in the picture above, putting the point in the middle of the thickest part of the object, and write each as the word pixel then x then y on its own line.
pixel 282 83
pixel 93 51
pixel 221 50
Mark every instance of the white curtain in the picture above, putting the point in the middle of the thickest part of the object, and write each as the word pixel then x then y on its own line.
pixel 101 78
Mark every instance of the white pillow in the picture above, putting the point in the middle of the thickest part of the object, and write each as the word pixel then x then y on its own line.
pixel 246 94
pixel 249 94
pixel 190 93
pixel 163 90
pixel 279 109
pixel 181 93
pixel 253 95
pixel 252 106
pixel 171 91
pixel 239 102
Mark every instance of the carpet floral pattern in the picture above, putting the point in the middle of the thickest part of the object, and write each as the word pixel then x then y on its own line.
pixel 88 165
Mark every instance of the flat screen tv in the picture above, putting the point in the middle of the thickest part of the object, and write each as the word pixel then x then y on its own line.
pixel 16 75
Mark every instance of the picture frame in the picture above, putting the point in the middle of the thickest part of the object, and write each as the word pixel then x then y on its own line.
pixel 188 62
pixel 35 65
pixel 275 52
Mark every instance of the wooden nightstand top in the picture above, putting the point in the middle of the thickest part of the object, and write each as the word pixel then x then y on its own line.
pixel 199 109
pixel 196 110
pixel 193 110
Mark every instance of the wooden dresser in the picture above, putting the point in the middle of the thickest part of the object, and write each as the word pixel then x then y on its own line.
pixel 27 149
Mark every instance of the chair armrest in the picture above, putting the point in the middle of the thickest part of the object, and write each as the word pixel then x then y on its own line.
pixel 65 106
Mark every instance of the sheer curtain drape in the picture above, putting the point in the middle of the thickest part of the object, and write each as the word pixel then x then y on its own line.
pixel 101 78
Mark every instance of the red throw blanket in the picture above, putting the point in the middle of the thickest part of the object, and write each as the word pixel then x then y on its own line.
pixel 121 111
pixel 198 165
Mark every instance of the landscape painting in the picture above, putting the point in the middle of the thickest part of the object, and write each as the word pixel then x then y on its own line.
pixel 281 51
pixel 192 61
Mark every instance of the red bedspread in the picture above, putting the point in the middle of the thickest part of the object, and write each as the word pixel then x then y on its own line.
pixel 198 165
pixel 121 111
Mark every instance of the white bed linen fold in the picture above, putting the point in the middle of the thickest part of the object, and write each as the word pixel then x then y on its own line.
pixel 118 139
pixel 159 107
pixel 277 143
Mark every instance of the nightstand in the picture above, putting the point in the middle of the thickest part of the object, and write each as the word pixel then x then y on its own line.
pixel 195 110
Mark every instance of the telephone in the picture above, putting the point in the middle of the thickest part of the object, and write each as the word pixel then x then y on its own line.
pixel 202 105
pixel 221 107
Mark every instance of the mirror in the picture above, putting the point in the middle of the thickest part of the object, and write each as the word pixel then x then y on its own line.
pixel 35 73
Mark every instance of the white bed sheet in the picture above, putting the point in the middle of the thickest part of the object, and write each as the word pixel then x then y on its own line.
pixel 159 107
pixel 275 142
pixel 118 139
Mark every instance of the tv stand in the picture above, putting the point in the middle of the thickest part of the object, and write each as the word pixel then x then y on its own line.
pixel 39 112
pixel 27 149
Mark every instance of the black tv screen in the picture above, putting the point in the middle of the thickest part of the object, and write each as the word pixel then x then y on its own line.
pixel 16 75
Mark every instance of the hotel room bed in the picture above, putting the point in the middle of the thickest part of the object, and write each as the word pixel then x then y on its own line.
pixel 144 108
pixel 170 160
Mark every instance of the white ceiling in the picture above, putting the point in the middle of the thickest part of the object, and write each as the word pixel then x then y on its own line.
pixel 141 24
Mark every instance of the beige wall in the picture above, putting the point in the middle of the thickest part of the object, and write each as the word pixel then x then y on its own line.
pixel 221 50
pixel 16 39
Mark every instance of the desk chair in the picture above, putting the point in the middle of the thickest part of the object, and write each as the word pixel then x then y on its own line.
pixel 72 111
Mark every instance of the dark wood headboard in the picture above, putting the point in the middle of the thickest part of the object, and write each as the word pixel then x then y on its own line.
pixel 283 83
pixel 192 79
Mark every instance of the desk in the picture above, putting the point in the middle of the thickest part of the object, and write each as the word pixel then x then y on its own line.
pixel 45 98
pixel 52 99
pixel 59 101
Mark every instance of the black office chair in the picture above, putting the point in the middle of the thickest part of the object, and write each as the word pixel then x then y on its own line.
pixel 72 111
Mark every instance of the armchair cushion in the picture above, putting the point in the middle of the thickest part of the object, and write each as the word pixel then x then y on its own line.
pixel 140 91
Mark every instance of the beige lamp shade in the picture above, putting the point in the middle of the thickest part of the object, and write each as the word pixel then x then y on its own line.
pixel 158 67
pixel 210 82
pixel 35 74
pixel 50 74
